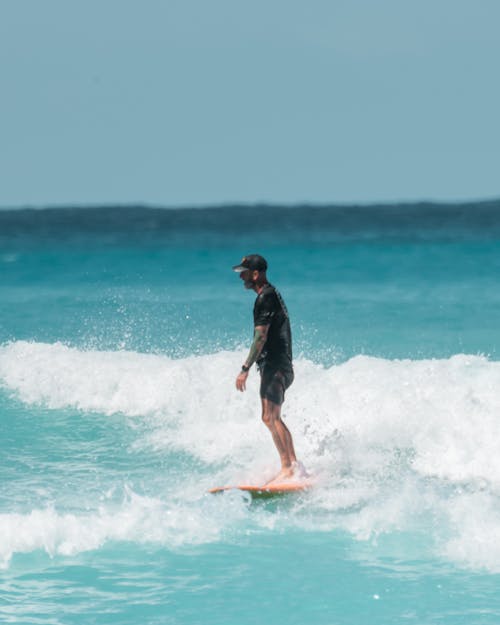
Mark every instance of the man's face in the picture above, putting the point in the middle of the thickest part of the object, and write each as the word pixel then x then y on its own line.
pixel 248 278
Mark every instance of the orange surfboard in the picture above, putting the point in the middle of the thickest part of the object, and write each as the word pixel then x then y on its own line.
pixel 268 490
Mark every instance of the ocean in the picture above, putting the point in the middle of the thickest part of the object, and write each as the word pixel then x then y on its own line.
pixel 122 330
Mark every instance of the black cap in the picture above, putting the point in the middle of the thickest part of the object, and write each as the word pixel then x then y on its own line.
pixel 253 262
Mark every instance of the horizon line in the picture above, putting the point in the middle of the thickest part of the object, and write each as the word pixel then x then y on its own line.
pixel 241 204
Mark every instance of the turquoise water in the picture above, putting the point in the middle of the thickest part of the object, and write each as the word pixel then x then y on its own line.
pixel 121 333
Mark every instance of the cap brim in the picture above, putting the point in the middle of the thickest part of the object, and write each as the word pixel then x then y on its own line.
pixel 239 268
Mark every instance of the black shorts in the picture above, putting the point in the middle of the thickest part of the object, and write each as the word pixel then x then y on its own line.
pixel 273 384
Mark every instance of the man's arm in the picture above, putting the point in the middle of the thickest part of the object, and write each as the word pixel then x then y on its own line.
pixel 259 340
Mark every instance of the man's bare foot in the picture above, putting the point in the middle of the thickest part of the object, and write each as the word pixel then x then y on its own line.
pixel 295 471
pixel 284 475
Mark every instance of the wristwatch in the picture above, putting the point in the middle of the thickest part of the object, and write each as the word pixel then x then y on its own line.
pixel 245 369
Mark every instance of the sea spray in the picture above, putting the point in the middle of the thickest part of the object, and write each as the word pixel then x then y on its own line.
pixel 396 445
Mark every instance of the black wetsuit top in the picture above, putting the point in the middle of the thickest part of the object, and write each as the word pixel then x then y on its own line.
pixel 270 310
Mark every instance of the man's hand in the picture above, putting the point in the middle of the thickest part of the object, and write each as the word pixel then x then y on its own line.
pixel 241 381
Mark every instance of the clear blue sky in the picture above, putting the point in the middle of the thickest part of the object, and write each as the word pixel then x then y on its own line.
pixel 200 102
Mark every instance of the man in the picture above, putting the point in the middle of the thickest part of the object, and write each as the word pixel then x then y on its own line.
pixel 272 351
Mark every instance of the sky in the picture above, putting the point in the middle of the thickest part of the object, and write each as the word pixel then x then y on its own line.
pixel 201 102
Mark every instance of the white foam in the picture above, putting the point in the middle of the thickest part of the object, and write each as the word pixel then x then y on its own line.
pixel 137 519
pixel 192 400
pixel 397 445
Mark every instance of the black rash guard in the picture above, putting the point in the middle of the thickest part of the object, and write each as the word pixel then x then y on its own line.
pixel 270 310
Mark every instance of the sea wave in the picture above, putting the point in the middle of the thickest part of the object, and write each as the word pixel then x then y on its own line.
pixel 396 446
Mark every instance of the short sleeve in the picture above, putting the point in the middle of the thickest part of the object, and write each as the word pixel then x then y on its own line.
pixel 265 308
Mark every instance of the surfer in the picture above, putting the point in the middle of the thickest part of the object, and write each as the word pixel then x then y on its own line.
pixel 271 349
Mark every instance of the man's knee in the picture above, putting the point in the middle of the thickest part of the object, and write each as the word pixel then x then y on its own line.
pixel 270 413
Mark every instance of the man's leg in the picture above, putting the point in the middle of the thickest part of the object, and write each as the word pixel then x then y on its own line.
pixel 271 415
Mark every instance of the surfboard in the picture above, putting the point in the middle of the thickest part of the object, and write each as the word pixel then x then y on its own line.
pixel 267 490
